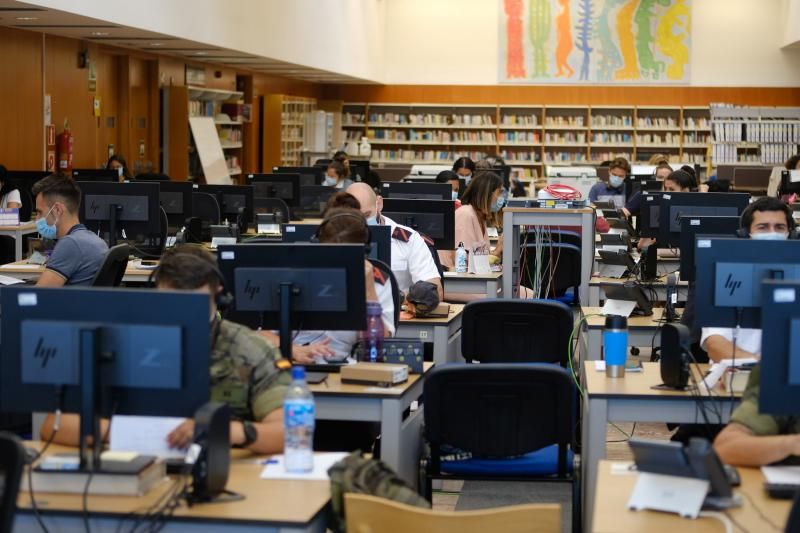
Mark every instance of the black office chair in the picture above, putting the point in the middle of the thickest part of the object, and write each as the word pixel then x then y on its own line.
pixel 516 331
pixel 516 422
pixel 152 176
pixel 206 207
pixel 12 464
pixel 113 268
pixel 26 209
pixel 269 206
pixel 387 271
pixel 560 269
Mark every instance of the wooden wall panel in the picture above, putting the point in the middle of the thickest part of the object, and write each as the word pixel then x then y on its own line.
pixel 226 81
pixel 563 95
pixel 21 115
pixel 142 100
pixel 264 84
pixel 171 71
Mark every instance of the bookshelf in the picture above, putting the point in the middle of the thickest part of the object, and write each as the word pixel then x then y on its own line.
pixel 527 136
pixel 284 129
pixel 754 135
pixel 225 107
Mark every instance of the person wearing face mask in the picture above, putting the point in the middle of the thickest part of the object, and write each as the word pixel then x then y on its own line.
pixel 412 258
pixel 465 168
pixel 336 176
pixel 246 371
pixel 78 253
pixel 614 189
pixel 765 219
pixel 634 204
pixel 448 176
pixel 117 162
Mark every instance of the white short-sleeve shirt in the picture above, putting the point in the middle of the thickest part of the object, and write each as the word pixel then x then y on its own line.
pixel 749 339
pixel 411 260
pixel 10 198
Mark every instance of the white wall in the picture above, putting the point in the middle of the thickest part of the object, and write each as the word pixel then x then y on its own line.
pixel 735 43
pixel 342 36
pixel 792 37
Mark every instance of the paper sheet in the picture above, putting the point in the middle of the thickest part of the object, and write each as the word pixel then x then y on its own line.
pixel 22 267
pixel 717 369
pixel 322 462
pixel 146 435
pixel 7 280
pixel 618 307
pixel 783 475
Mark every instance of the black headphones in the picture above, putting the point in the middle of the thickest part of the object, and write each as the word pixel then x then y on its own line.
pixel 367 243
pixel 223 298
pixel 744 229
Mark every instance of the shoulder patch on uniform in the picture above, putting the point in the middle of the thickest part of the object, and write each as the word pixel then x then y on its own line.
pixel 283 364
pixel 401 234
pixel 425 238
pixel 379 276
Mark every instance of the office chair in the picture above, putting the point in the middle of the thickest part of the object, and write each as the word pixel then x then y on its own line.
pixel 387 271
pixel 559 270
pixel 152 176
pixel 12 464
pixel 113 268
pixel 26 209
pixel 206 207
pixel 370 513
pixel 269 206
pixel 515 420
pixel 516 331
pixel 556 237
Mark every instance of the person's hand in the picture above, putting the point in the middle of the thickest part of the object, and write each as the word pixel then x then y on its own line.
pixel 494 259
pixel 626 212
pixel 182 436
pixel 306 354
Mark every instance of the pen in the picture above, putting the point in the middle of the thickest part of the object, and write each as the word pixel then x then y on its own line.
pixel 269 462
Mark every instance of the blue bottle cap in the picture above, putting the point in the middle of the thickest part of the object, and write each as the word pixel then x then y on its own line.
pixel 299 372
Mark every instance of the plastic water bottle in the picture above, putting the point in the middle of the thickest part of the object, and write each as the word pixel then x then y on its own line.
pixel 298 424
pixel 372 337
pixel 461 259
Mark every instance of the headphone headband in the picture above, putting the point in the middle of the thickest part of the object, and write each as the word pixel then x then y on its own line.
pixel 223 298
pixel 367 242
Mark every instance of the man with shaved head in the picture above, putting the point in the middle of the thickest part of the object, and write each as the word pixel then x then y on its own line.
pixel 412 260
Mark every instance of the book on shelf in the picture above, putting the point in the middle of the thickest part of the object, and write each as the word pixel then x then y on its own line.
pixel 611 120
pixel 570 120
pixel 656 122
pixel 519 120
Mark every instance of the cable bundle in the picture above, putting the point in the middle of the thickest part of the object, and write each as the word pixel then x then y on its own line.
pixel 559 191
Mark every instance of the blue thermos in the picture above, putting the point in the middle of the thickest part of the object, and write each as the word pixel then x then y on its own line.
pixel 615 345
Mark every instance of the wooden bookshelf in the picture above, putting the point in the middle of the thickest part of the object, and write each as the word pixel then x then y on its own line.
pixel 284 129
pixel 225 108
pixel 754 135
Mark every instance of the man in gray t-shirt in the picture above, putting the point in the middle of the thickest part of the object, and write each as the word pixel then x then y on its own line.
pixel 78 253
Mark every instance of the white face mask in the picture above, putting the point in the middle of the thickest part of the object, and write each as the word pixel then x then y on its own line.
pixel 119 171
pixel 770 236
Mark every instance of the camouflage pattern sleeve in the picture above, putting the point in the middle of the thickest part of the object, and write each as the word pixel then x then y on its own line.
pixel 747 413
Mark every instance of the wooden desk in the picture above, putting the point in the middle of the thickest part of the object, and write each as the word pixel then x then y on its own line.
pixel 28 271
pixel 597 292
pixel 401 436
pixel 273 504
pixel 615 485
pixel 632 399
pixel 642 331
pixel 487 284
pixel 17 232
pixel 445 333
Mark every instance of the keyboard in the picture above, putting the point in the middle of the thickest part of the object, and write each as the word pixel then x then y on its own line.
pixel 782 491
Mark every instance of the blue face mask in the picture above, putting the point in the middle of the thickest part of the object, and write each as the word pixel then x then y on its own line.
pixel 329 181
pixel 372 221
pixel 46 230
pixel 455 195
pixel 615 181
pixel 771 236
pixel 498 205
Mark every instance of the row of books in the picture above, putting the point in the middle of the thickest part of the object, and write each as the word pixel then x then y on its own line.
pixel 434 136
pixel 431 119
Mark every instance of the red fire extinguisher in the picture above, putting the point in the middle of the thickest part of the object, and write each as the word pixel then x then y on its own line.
pixel 64 149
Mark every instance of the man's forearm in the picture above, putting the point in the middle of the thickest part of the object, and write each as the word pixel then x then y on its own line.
pixel 751 450
pixel 719 348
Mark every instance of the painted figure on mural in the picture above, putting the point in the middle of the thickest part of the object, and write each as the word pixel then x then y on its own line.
pixel 630 68
pixel 650 68
pixel 672 44
pixel 539 29
pixel 515 57
pixel 609 59
pixel 563 40
pixel 584 28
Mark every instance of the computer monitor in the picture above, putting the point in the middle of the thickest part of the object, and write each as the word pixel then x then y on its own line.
pixel 434 218
pixel 308 175
pixel 176 200
pixel 283 186
pixel 649 218
pixel 231 198
pixel 728 278
pixel 679 204
pixel 130 210
pixel 693 228
pixel 110 351
pixel 790 181
pixel 359 169
pixel 754 179
pixel 727 172
pixel 780 348
pixel 417 191
pixel 381 239
pixel 314 198
pixel 296 286
pixel 95 174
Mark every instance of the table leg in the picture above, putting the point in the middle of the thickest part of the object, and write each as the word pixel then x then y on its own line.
pixel 594 296
pixel 593 450
pixel 441 348
pixel 18 246
pixel 491 289
pixel 594 344
pixel 401 440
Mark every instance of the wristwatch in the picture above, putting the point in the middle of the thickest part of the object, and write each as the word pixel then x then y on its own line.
pixel 250 433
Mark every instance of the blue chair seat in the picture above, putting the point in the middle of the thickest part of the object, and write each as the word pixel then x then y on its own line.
pixel 539 463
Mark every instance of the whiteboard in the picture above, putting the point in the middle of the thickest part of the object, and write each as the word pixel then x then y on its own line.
pixel 212 158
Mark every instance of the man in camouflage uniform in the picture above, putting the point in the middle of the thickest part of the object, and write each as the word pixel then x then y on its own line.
pixel 247 372
pixel 756 439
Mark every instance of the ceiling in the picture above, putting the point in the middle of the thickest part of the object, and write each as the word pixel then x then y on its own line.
pixel 24 16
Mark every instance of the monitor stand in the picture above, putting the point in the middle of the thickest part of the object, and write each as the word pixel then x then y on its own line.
pixel 113 216
pixel 287 291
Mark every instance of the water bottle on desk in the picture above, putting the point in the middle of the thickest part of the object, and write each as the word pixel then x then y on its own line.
pixel 615 345
pixel 372 337
pixel 298 422
pixel 461 259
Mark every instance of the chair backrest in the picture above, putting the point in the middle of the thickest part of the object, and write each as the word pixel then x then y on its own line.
pixel 367 514
pixel 152 176
pixel 499 409
pixel 206 207
pixel 516 331
pixel 26 208
pixel 113 268
pixel 387 271
pixel 559 270
pixel 12 463
pixel 556 237
pixel 269 206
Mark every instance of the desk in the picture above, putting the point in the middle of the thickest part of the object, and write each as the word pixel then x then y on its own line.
pixel 401 433
pixel 614 488
pixel 642 331
pixel 275 505
pixel 632 399
pixel 488 284
pixel 17 232
pixel 28 271
pixel 514 217
pixel 597 294
pixel 445 333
